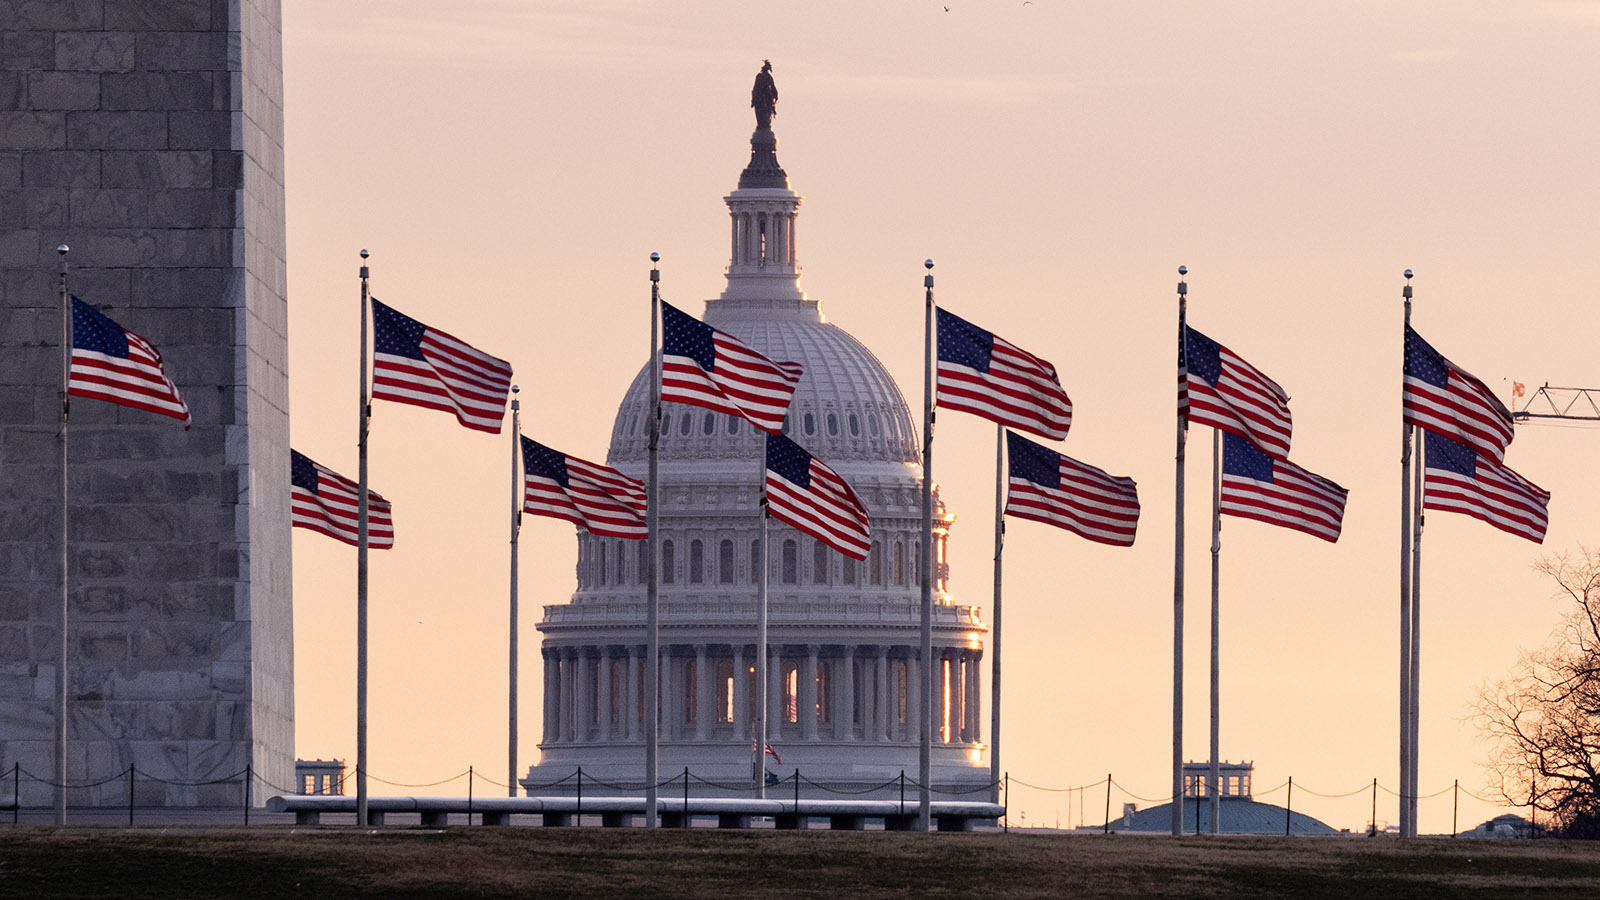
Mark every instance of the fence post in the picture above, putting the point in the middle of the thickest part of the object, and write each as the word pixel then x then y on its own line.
pixel 1005 811
pixel 578 820
pixel 902 792
pixel 1455 807
pixel 131 772
pixel 686 795
pixel 1374 807
pixel 797 790
pixel 249 783
pixel 1288 807
pixel 469 796
pixel 1108 804
pixel 16 790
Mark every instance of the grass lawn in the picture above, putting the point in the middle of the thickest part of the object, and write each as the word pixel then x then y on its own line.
pixel 591 863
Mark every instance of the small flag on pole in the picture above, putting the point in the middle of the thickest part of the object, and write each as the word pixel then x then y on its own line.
pixel 1278 492
pixel 111 363
pixel 1444 398
pixel 1456 478
pixel 986 375
pixel 591 496
pixel 1225 392
pixel 805 493
pixel 705 367
pixel 325 501
pixel 1058 490
pixel 413 363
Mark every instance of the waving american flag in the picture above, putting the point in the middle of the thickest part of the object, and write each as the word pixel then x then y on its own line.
pixel 984 374
pixel 112 363
pixel 706 367
pixel 413 363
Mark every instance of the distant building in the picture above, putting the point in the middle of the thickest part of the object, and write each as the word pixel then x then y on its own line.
pixel 1240 814
pixel 1501 828
pixel 844 678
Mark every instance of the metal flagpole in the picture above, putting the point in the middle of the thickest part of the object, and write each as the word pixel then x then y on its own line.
pixel 1405 601
pixel 925 753
pixel 1418 491
pixel 361 568
pixel 1213 776
pixel 652 669
pixel 517 491
pixel 1177 585
pixel 61 623
pixel 760 730
pixel 994 639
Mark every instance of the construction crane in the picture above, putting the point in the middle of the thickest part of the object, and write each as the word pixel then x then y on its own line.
pixel 1575 404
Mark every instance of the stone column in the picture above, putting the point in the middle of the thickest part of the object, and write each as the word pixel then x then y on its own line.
pixel 885 707
pixel 670 707
pixel 552 697
pixel 632 715
pixel 603 695
pixel 845 711
pixel 774 693
pixel 913 694
pixel 733 252
pixel 705 701
pixel 808 694
pixel 585 678
pixel 974 697
pixel 567 717
pixel 740 714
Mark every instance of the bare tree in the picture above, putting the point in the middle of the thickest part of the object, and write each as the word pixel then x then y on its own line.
pixel 1543 720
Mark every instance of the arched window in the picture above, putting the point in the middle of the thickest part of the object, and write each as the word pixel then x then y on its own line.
pixel 875 563
pixel 642 564
pixel 788 429
pixel 725 562
pixel 666 423
pixel 791 691
pixel 666 562
pixel 916 562
pixel 848 571
pixel 733 424
pixel 811 424
pixel 833 425
pixel 697 562
pixel 600 562
pixel 855 426
pixel 791 562
pixel 583 562
pixel 872 424
pixel 725 690
pixel 686 423
pixel 710 425
pixel 819 563
pixel 898 570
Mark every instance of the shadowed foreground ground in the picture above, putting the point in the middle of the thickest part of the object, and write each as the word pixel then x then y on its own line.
pixel 593 863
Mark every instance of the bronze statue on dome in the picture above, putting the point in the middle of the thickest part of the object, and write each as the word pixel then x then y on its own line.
pixel 764 96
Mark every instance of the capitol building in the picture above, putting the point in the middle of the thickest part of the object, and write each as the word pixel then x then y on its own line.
pixel 843 673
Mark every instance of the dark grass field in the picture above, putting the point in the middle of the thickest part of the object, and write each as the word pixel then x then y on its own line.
pixel 281 862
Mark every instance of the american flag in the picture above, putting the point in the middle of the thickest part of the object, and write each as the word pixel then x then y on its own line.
pixel 706 367
pixel 770 752
pixel 1058 490
pixel 110 362
pixel 325 501
pixel 1457 478
pixel 1278 492
pixel 1444 398
pixel 986 375
pixel 413 363
pixel 805 493
pixel 1226 392
pixel 600 499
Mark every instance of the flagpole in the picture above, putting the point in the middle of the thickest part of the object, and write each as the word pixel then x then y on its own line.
pixel 1177 586
pixel 361 568
pixel 61 623
pixel 516 528
pixel 1405 601
pixel 652 672
pixel 1418 491
pixel 994 640
pixel 925 753
pixel 760 730
pixel 1213 799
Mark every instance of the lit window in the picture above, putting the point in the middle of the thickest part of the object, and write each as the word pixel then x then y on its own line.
pixel 725 690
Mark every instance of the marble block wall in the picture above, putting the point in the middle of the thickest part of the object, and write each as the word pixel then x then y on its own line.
pixel 148 136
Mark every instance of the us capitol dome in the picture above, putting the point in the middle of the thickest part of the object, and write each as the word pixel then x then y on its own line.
pixel 843 635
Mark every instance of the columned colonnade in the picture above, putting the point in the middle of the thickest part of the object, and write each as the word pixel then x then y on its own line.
pixel 816 692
